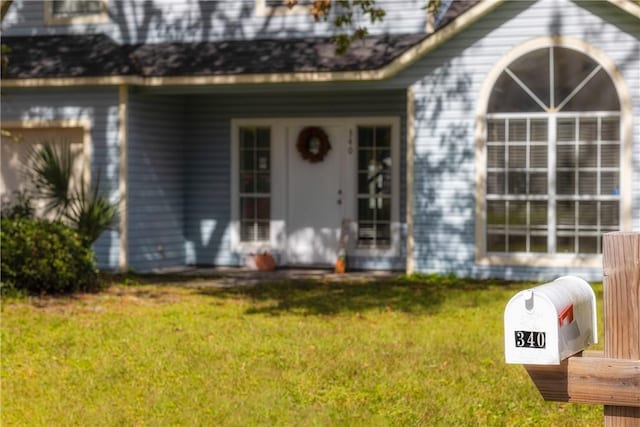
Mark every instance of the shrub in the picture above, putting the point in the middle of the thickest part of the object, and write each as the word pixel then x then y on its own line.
pixel 45 257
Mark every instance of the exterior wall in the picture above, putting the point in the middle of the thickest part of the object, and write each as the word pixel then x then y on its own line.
pixel 155 182
pixel 98 106
pixel 447 86
pixel 207 159
pixel 134 21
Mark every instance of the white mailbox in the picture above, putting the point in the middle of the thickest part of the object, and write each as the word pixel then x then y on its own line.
pixel 546 324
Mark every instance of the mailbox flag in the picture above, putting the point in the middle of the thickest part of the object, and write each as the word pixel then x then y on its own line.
pixel 566 316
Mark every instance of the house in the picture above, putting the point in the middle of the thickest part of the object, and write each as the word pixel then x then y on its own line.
pixel 494 139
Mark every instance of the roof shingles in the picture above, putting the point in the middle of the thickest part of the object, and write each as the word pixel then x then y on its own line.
pixel 97 55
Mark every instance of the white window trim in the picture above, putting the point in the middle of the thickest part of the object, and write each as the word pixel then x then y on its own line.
pixel 278 231
pixel 95 18
pixel 83 124
pixel 396 227
pixel 278 208
pixel 550 260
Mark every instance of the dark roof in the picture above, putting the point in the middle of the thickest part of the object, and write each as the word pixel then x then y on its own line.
pixel 65 56
pixel 267 56
pixel 98 55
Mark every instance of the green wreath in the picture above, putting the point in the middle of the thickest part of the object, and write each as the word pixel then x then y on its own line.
pixel 313 144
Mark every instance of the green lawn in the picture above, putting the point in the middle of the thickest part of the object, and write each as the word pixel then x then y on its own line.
pixel 421 351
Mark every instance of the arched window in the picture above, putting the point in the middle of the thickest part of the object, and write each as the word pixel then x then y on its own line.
pixel 553 155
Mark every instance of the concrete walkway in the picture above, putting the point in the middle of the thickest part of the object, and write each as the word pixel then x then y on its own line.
pixel 230 276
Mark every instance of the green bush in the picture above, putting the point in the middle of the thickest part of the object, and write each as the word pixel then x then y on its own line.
pixel 45 257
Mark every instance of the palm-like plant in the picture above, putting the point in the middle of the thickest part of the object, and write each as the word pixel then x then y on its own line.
pixel 50 171
pixel 84 207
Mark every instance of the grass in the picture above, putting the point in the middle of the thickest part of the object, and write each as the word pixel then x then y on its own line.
pixel 406 351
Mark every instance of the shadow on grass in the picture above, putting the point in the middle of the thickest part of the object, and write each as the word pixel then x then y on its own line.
pixel 415 294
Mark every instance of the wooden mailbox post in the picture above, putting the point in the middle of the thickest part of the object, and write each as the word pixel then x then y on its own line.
pixel 611 378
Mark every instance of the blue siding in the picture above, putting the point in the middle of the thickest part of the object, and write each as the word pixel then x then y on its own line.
pixel 447 84
pixel 179 152
pixel 207 157
pixel 100 108
pixel 134 21
pixel 155 179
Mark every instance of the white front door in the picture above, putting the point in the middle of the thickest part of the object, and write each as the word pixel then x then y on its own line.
pixel 316 200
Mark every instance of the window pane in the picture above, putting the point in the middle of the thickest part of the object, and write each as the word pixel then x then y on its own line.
pixel 538 183
pixel 263 183
pixel 263 138
pixel 610 155
pixel 565 213
pixel 566 130
pixel 517 156
pixel 533 70
pixel 247 183
pixel 538 244
pixel 365 156
pixel 365 211
pixel 609 184
pixel 517 213
pixel 247 231
pixel 508 96
pixel 597 95
pixel 517 130
pixel 588 183
pixel 610 130
pixel 495 131
pixel 588 130
pixel 247 138
pixel 366 233
pixel 496 212
pixel 588 156
pixel 588 245
pixel 262 231
pixel 588 213
pixel 539 130
pixel 383 235
pixel 538 156
pixel 383 137
pixel 570 69
pixel 383 156
pixel 565 156
pixel 247 160
pixel 496 242
pixel 365 137
pixel 538 214
pixel 247 208
pixel 517 183
pixel 609 214
pixel 565 183
pixel 63 8
pixel 495 156
pixel 495 183
pixel 565 244
pixel 263 208
pixel 517 243
pixel 263 160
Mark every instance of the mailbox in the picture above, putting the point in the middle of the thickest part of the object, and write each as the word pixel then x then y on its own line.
pixel 548 323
